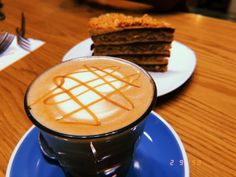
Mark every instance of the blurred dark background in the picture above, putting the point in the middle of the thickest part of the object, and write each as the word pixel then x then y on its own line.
pixel 224 9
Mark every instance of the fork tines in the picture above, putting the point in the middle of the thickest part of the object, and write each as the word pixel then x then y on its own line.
pixel 23 42
pixel 2 37
pixel 5 41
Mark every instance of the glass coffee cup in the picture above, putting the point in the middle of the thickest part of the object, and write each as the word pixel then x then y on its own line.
pixel 91 112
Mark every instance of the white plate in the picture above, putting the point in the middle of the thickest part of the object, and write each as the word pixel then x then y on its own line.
pixel 181 65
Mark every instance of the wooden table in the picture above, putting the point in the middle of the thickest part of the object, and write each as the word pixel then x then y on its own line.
pixel 202 111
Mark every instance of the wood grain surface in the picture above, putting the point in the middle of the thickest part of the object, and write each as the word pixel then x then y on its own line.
pixel 202 111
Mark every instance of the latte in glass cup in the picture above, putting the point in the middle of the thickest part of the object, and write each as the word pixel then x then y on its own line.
pixel 90 113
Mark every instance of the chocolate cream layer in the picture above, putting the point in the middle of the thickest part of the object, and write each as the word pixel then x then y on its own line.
pixel 129 36
pixel 162 48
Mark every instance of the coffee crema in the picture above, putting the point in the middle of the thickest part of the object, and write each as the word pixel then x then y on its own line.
pixel 90 96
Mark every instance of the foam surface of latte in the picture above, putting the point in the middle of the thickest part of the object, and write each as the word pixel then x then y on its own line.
pixel 92 96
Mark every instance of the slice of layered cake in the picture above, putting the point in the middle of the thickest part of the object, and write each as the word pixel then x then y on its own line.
pixel 143 40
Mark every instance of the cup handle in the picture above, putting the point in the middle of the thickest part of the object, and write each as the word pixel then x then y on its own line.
pixel 47 151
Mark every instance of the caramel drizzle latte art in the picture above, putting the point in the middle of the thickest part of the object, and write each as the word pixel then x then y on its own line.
pixel 102 77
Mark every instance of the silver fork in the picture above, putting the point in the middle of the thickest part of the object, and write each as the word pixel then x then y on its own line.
pixel 2 16
pixel 5 41
pixel 22 41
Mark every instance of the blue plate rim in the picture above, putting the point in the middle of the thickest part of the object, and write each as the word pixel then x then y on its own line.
pixel 184 154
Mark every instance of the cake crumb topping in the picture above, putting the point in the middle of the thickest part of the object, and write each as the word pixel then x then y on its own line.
pixel 112 22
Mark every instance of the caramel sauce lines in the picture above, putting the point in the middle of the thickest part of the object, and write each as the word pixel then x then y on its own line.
pixel 60 80
pixel 112 86
pixel 82 106
pixel 74 87
pixel 47 100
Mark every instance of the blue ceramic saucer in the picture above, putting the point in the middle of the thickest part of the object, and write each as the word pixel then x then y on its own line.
pixel 160 153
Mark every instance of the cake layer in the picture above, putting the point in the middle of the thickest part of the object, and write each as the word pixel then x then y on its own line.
pixel 156 68
pixel 137 48
pixel 128 36
pixel 146 59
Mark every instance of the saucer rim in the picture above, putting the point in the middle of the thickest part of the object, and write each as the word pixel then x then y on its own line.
pixel 181 146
